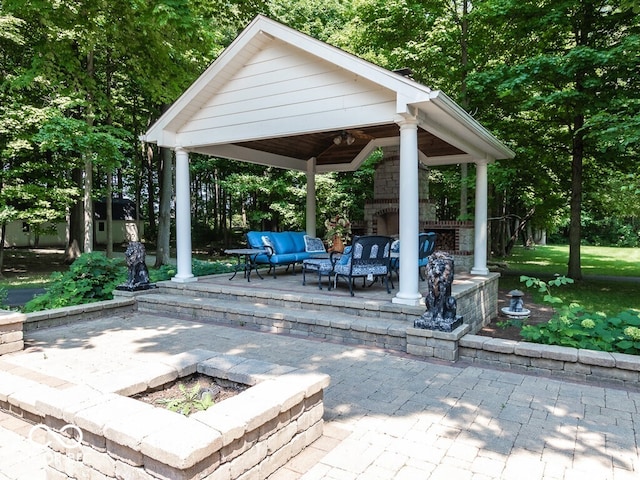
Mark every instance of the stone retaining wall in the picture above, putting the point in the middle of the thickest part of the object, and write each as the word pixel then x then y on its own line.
pixel 11 336
pixel 573 363
pixel 87 311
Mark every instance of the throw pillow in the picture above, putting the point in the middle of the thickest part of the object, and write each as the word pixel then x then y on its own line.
pixel 346 256
pixel 313 245
pixel 266 241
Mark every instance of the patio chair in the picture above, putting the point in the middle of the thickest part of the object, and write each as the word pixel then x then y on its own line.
pixel 426 246
pixel 368 259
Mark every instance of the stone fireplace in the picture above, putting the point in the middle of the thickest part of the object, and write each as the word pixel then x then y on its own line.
pixel 382 213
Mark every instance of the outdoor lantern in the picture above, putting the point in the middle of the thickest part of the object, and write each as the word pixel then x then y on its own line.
pixel 516 303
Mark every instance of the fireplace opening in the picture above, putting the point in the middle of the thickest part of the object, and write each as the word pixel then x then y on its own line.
pixel 389 224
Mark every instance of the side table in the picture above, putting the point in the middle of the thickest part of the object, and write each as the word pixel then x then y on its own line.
pixel 249 263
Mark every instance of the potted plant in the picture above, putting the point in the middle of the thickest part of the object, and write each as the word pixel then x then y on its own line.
pixel 338 232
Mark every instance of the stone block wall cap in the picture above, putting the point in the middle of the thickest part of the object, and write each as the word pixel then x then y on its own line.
pixel 182 444
pixel 473 341
pixel 555 352
pixel 528 349
pixel 593 357
pixel 500 345
pixel 625 361
pixel 7 317
pixel 313 381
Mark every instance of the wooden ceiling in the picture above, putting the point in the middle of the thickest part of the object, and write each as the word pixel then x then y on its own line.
pixel 327 152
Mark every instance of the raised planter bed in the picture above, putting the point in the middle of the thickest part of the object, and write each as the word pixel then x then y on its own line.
pixel 252 433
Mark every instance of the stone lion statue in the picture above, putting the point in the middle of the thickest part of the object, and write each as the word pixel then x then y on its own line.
pixel 138 278
pixel 441 306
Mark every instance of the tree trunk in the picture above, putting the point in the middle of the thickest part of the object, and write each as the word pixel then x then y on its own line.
pixel 88 204
pixel 163 243
pixel 109 208
pixel 88 171
pixel 3 234
pixel 76 215
pixel 151 197
pixel 575 232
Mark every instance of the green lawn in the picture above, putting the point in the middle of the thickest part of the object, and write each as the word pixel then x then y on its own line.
pixel 608 296
pixel 553 259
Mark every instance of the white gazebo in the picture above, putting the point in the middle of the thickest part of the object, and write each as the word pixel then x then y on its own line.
pixel 278 97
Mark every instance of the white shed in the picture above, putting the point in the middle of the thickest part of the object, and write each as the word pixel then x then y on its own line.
pixel 278 97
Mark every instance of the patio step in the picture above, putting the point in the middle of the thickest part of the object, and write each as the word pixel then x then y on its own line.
pixel 262 314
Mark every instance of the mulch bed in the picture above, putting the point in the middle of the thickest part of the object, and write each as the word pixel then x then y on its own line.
pixel 171 391
pixel 540 313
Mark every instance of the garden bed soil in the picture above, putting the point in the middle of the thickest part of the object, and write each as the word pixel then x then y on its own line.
pixel 173 391
pixel 540 313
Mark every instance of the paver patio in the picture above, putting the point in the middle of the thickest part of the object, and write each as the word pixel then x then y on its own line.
pixel 388 416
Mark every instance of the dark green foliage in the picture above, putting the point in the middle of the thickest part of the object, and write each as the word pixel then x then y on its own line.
pixel 91 278
pixel 572 326
pixel 199 269
pixel 3 298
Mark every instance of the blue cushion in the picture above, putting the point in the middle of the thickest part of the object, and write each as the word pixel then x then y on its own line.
pixel 254 239
pixel 313 244
pixel 283 242
pixel 298 240
pixel 346 256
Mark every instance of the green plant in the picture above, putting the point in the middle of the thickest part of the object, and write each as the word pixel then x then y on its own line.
pixel 190 400
pixel 572 326
pixel 545 287
pixel 3 298
pixel 338 226
pixel 92 277
pixel 512 322
pixel 199 268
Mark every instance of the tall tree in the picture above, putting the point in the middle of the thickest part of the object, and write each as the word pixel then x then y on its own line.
pixel 574 61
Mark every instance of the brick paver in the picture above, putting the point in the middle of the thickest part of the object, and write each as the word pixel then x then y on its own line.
pixel 388 416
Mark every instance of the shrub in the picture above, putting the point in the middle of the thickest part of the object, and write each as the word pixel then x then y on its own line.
pixel 572 326
pixel 3 298
pixel 91 277
pixel 198 267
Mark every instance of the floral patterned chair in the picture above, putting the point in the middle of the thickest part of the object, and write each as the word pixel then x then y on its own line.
pixel 426 246
pixel 369 258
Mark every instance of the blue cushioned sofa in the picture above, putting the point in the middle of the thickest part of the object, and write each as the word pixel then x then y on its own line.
pixel 284 248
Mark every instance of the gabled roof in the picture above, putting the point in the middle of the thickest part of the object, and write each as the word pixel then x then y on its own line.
pixel 278 97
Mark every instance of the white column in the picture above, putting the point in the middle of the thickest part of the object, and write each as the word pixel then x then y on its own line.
pixel 480 226
pixel 408 293
pixel 183 218
pixel 311 197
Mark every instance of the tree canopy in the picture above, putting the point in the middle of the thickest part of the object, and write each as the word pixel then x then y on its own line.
pixel 555 80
